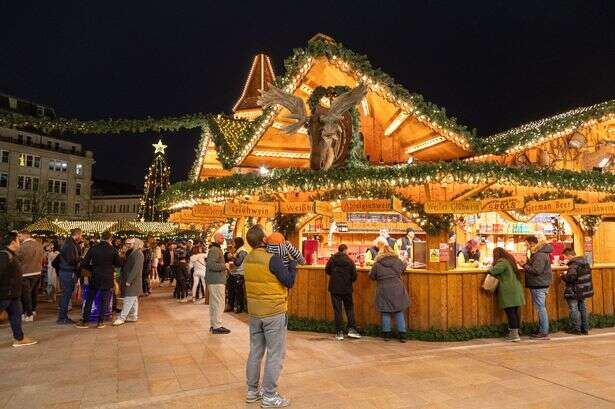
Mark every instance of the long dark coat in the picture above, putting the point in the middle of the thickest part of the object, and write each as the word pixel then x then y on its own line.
pixel 101 260
pixel 131 273
pixel 391 295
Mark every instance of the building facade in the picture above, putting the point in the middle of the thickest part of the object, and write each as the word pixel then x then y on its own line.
pixel 41 175
pixel 115 207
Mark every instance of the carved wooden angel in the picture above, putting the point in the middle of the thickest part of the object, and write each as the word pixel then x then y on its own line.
pixel 329 129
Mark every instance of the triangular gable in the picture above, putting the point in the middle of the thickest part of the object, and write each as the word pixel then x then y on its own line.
pixel 261 74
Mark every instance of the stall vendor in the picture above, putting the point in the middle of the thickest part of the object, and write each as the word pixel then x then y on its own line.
pixel 453 249
pixel 469 255
pixel 384 233
pixel 405 245
pixel 372 252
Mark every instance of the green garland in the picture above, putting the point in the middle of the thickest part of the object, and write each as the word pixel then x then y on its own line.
pixel 360 178
pixel 102 126
pixel 531 132
pixel 452 334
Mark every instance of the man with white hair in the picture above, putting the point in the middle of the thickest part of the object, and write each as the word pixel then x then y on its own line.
pixel 131 284
pixel 216 284
pixel 100 260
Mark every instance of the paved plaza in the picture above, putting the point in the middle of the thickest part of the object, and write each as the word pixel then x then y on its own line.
pixel 169 360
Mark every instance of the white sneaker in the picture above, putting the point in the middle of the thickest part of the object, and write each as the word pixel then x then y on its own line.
pixel 200 301
pixel 254 396
pixel 118 321
pixel 275 401
pixel 131 319
pixel 352 333
pixel 184 299
pixel 28 319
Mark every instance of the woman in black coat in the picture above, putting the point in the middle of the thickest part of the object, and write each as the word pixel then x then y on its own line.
pixel 343 273
pixel 391 295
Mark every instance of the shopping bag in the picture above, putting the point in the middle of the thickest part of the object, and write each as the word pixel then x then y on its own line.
pixel 490 284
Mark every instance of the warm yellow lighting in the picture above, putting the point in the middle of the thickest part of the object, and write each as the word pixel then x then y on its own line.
pixel 399 119
pixel 425 144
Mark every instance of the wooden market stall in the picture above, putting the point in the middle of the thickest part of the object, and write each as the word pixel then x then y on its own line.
pixel 394 161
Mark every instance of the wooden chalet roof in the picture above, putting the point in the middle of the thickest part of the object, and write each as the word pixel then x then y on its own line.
pixel 395 123
pixel 261 73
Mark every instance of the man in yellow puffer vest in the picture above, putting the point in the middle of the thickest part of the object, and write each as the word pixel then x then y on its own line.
pixel 267 282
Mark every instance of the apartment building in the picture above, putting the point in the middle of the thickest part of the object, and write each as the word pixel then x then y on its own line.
pixel 41 175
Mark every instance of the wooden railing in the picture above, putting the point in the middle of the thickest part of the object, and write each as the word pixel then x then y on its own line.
pixel 441 299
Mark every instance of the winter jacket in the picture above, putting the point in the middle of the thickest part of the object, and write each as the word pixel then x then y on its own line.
pixel 132 273
pixel 70 256
pixel 240 255
pixel 342 272
pixel 10 275
pixel 578 280
pixel 286 251
pixel 147 260
pixel 198 262
pixel 101 260
pixel 510 291
pixel 216 268
pixel 538 269
pixel 391 295
pixel 30 257
pixel 469 255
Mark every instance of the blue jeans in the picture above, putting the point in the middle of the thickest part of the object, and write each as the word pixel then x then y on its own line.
pixel 67 282
pixel 267 334
pixel 578 314
pixel 539 298
pixel 399 319
pixel 14 310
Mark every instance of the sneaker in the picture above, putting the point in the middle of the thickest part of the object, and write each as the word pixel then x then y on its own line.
pixel 183 300
pixel 584 332
pixel 25 341
pixel 401 337
pixel 200 301
pixel 540 336
pixel 275 401
pixel 100 325
pixel 131 319
pixel 386 336
pixel 82 324
pixel 118 321
pixel 220 330
pixel 26 318
pixel 66 321
pixel 353 333
pixel 254 396
pixel 339 336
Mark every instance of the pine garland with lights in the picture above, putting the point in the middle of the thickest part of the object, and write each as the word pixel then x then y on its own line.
pixel 156 183
pixel 361 178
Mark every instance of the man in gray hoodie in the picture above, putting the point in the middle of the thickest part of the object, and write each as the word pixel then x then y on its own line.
pixel 30 258
pixel 538 278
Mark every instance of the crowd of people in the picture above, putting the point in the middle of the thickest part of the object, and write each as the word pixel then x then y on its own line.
pixel 111 269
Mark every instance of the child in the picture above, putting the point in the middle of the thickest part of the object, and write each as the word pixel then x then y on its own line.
pixel 277 244
pixel 182 273
pixel 578 279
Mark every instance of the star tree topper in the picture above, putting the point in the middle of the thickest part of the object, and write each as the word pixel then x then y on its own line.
pixel 159 147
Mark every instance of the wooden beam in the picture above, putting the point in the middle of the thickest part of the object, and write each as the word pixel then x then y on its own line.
pixel 427 191
pixel 472 192
pixel 396 123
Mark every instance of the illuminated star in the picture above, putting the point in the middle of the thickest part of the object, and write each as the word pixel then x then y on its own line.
pixel 159 147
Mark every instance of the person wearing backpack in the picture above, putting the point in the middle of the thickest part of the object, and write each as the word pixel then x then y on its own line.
pixel 11 287
pixel 578 279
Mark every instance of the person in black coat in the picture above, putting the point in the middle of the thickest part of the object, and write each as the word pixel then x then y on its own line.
pixel 578 279
pixel 100 260
pixel 343 273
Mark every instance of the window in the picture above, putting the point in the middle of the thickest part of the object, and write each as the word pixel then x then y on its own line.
pixel 27 183
pixel 49 144
pixel 62 207
pixel 19 138
pixel 56 206
pixel 63 187
pixel 2 204
pixel 78 189
pixel 58 165
pixel 77 208
pixel 56 146
pixel 4 180
pixel 79 169
pixel 23 205
pixel 4 156
pixel 30 161
pixel 28 140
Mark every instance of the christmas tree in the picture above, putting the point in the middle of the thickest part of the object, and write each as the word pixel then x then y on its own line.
pixel 156 182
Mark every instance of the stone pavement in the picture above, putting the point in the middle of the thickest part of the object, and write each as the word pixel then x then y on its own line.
pixel 169 360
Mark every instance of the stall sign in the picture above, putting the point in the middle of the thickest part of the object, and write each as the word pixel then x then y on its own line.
pixel 340 217
pixel 323 208
pixel 296 207
pixel 502 204
pixel 549 206
pixel 594 209
pixel 444 251
pixel 434 255
pixel 371 205
pixel 208 211
pixel 462 206
pixel 250 209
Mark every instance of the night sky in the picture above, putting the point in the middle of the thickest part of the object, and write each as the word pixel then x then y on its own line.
pixel 492 64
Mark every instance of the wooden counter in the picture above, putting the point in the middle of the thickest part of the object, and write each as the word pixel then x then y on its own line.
pixel 442 299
